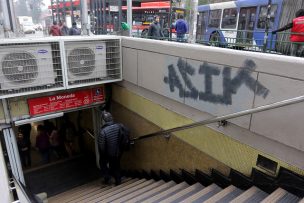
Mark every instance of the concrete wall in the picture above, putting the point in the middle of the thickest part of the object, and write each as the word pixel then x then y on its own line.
pixel 218 81
pixel 160 153
pixel 200 147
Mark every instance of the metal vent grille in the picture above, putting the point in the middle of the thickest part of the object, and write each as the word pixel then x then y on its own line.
pixel 81 61
pixel 92 62
pixel 113 60
pixel 30 68
pixel 20 67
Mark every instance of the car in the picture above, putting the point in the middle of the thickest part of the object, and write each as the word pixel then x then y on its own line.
pixel 29 28
pixel 38 27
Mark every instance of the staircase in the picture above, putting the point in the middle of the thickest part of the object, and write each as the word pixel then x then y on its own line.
pixel 173 187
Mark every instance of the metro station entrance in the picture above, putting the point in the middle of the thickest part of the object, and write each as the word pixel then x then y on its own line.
pixel 56 151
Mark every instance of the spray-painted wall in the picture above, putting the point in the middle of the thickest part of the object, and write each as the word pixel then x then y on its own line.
pixel 222 81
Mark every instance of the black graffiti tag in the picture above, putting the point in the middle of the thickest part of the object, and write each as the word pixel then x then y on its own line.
pixel 184 70
pixel 230 85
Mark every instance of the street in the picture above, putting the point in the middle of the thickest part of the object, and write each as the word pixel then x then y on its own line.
pixel 37 34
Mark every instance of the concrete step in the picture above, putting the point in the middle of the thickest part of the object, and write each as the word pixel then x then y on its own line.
pixel 139 192
pixel 85 191
pixel 204 194
pixel 181 195
pixel 83 196
pixel 101 196
pixel 69 197
pixel 74 190
pixel 226 195
pixel 167 193
pixel 147 195
pixel 128 191
pixel 251 195
pixel 289 198
pixel 277 196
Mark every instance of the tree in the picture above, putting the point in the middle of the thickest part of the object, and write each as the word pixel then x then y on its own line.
pixel 21 8
pixel 35 8
pixel 29 8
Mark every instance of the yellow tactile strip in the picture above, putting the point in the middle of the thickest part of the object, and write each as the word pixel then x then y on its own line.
pixel 234 154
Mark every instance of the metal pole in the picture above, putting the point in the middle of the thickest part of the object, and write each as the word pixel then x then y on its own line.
pixel 63 10
pixel 84 17
pixel 57 11
pixel 104 22
pixel 92 9
pixel 267 26
pixel 193 17
pixel 109 15
pixel 119 15
pixel 170 21
pixel 72 13
pixel 52 4
pixel 129 16
pixel 100 17
pixel 6 19
pixel 11 11
pixel 96 16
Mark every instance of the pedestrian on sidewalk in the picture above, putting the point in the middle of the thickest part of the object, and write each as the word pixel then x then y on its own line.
pixel 297 33
pixel 54 30
pixel 181 28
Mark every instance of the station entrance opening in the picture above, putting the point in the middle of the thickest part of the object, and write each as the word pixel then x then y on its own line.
pixel 54 150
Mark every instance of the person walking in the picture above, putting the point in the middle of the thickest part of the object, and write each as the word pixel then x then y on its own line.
pixel 181 28
pixel 25 130
pixel 109 147
pixel 64 30
pixel 297 33
pixel 23 150
pixel 43 144
pixel 74 30
pixel 54 30
pixel 155 31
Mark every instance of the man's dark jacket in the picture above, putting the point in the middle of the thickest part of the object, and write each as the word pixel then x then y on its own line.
pixel 108 140
pixel 155 31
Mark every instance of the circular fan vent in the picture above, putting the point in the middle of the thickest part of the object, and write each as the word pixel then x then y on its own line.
pixel 20 67
pixel 81 61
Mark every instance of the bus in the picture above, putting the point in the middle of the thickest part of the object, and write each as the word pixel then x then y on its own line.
pixel 240 23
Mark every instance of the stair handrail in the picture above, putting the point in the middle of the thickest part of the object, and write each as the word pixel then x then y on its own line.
pixel 223 119
pixel 24 190
pixel 89 133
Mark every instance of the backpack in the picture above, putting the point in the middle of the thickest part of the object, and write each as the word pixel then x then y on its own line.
pixel 124 138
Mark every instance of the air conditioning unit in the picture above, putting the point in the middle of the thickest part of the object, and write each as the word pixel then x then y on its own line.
pixel 26 65
pixel 85 60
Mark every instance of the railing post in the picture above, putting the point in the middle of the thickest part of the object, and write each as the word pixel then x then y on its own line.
pixel 267 25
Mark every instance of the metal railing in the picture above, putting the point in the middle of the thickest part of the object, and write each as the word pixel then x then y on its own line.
pixel 222 119
pixel 19 190
pixel 90 134
pixel 245 40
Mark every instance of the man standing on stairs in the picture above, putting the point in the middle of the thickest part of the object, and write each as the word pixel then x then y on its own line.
pixel 109 147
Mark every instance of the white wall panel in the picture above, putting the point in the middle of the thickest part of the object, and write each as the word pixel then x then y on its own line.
pixel 152 70
pixel 129 64
pixel 232 84
pixel 286 123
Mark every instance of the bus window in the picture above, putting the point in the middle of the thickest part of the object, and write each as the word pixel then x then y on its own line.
pixel 229 18
pixel 215 18
pixel 263 16
pixel 201 25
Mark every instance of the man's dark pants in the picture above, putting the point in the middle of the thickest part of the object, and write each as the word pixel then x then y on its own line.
pixel 110 166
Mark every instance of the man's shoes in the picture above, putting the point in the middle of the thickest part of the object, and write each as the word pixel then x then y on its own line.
pixel 106 181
